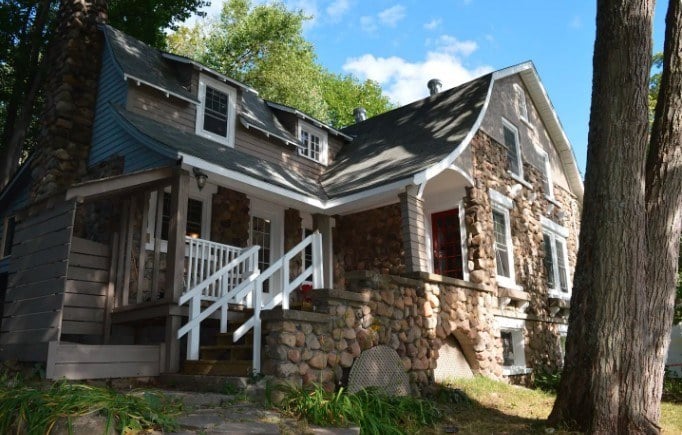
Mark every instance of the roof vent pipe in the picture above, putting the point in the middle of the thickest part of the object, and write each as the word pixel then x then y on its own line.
pixel 360 114
pixel 434 86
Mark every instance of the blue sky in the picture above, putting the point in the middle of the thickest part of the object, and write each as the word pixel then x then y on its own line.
pixel 403 43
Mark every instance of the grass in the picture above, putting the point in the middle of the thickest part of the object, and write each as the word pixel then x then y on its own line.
pixel 35 408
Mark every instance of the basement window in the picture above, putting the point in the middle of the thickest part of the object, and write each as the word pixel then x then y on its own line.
pixel 513 346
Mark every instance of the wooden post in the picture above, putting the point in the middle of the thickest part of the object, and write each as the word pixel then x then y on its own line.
pixel 175 259
pixel 142 257
pixel 323 224
pixel 127 257
pixel 120 254
pixel 158 222
pixel 413 230
pixel 172 344
pixel 111 287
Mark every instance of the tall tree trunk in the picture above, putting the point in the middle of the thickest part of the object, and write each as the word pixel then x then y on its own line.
pixel 624 286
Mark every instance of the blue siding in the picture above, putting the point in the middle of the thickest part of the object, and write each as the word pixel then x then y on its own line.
pixel 108 137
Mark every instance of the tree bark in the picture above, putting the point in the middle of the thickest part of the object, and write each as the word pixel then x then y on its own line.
pixel 624 286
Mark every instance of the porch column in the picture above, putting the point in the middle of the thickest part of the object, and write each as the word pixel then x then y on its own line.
pixel 175 264
pixel 413 230
pixel 323 224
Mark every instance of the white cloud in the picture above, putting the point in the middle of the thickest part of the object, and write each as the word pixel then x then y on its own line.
pixel 405 81
pixel 337 9
pixel 452 45
pixel 433 24
pixel 392 15
pixel 368 24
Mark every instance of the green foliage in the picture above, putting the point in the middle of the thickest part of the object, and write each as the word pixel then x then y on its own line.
pixel 374 412
pixel 34 409
pixel 547 381
pixel 263 46
pixel 655 83
pixel 672 388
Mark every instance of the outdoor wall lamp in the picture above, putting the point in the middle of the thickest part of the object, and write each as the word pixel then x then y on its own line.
pixel 201 177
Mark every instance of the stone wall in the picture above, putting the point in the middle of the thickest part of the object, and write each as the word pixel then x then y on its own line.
pixel 369 240
pixel 412 316
pixel 230 217
pixel 70 97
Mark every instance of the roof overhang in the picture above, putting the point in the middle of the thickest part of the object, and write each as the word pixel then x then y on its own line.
pixel 310 119
pixel 205 69
pixel 248 125
pixel 121 184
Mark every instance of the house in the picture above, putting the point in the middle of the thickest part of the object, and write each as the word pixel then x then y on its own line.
pixel 177 235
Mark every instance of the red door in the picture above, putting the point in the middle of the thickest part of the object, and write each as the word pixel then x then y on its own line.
pixel 447 244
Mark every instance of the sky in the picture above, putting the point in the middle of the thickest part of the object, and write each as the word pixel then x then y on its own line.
pixel 402 44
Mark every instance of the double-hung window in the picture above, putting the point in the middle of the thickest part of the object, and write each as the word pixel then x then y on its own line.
pixel 511 143
pixel 216 111
pixel 313 143
pixel 520 97
pixel 7 236
pixel 556 258
pixel 546 170
pixel 504 250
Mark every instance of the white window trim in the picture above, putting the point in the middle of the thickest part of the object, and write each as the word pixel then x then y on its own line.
pixel 548 172
pixel 204 195
pixel 324 142
pixel 503 204
pixel 517 137
pixel 5 225
pixel 516 327
pixel 556 231
pixel 228 140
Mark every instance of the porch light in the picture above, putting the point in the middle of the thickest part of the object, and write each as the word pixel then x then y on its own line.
pixel 201 177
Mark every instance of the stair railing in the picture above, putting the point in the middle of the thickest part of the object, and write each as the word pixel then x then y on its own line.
pixel 204 258
pixel 282 298
pixel 233 282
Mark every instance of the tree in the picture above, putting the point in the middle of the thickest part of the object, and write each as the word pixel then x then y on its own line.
pixel 624 285
pixel 263 46
pixel 25 31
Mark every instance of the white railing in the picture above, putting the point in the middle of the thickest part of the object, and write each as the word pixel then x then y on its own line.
pixel 204 258
pixel 248 285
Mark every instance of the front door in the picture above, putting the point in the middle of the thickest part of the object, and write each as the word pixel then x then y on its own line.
pixel 447 243
pixel 267 232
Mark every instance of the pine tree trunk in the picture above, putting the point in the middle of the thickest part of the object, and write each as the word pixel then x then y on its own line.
pixel 624 286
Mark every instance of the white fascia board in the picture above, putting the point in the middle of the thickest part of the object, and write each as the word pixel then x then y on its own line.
pixel 308 118
pixel 432 171
pixel 350 202
pixel 202 68
pixel 248 125
pixel 159 88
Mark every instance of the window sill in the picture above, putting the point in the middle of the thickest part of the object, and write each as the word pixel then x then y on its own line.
pixel 527 122
pixel 504 282
pixel 520 179
pixel 516 370
pixel 553 201
pixel 555 294
pixel 311 159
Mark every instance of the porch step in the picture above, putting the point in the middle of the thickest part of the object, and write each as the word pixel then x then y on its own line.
pixel 217 367
pixel 227 352
pixel 225 339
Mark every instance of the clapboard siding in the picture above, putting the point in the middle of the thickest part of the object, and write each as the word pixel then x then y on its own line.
pixel 80 361
pixel 155 105
pixel 85 292
pixel 37 273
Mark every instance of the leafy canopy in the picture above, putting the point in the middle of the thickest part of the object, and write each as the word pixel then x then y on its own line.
pixel 263 46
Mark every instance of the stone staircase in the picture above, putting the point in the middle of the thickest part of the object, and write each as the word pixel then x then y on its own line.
pixel 225 357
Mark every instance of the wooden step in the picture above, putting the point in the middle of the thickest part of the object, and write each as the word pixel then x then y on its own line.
pixel 225 339
pixel 217 368
pixel 229 352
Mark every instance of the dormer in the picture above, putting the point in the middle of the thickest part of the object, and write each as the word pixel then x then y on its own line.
pixel 314 144
pixel 216 112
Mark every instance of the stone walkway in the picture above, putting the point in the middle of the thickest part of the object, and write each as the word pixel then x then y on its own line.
pixel 211 413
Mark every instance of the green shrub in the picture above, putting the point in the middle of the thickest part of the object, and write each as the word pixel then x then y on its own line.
pixel 373 411
pixel 547 381
pixel 672 387
pixel 34 409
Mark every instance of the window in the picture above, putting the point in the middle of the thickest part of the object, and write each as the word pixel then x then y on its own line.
pixel 308 251
pixel 8 236
pixel 556 259
pixel 513 345
pixel 546 170
pixel 216 111
pixel 447 243
pixel 504 251
pixel 194 217
pixel 520 97
pixel 261 233
pixel 511 142
pixel 313 143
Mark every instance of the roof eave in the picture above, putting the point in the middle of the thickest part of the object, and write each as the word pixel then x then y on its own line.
pixel 204 68
pixel 314 121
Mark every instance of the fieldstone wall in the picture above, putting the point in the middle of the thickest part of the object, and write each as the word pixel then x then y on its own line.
pixel 70 97
pixel 412 316
pixel 230 217
pixel 369 240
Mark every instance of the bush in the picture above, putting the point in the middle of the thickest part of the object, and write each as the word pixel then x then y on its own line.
pixel 672 387
pixel 373 411
pixel 547 381
pixel 34 409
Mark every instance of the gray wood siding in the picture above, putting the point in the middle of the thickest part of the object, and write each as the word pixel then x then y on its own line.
pixel 155 105
pixel 32 312
pixel 86 286
pixel 503 104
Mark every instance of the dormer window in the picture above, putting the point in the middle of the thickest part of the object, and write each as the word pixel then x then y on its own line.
pixel 313 143
pixel 216 112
